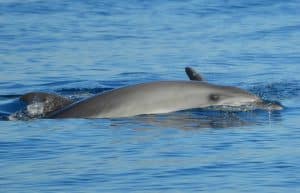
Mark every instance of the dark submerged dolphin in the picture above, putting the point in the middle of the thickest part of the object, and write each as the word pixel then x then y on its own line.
pixel 149 98
pixel 50 102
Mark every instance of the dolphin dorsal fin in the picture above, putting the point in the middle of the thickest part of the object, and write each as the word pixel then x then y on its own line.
pixel 193 74
pixel 51 102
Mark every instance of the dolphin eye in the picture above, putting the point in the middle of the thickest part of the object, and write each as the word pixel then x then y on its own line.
pixel 214 97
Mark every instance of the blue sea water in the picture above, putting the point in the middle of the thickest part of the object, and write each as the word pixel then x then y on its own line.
pixel 81 47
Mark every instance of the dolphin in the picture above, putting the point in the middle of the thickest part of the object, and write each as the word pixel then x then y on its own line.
pixel 151 98
pixel 52 102
pixel 155 98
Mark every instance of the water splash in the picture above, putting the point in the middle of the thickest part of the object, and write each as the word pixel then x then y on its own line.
pixel 265 105
pixel 32 111
pixel 36 109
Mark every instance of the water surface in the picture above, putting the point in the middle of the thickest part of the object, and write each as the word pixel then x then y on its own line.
pixel 79 48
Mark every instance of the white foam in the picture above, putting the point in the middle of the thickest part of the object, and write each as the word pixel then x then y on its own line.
pixel 35 109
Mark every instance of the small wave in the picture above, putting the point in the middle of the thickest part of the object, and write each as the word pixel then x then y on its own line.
pixel 133 73
pixel 81 93
pixel 58 83
pixel 226 108
pixel 277 90
pixel 74 91
pixel 9 96
pixel 266 105
pixel 34 110
pixel 4 116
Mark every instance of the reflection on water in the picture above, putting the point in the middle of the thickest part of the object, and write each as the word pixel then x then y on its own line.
pixel 200 119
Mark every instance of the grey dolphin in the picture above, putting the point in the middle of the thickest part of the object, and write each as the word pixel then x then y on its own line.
pixel 157 97
pixel 149 98
pixel 52 102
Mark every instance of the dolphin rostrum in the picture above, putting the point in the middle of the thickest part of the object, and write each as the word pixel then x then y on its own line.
pixel 153 98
